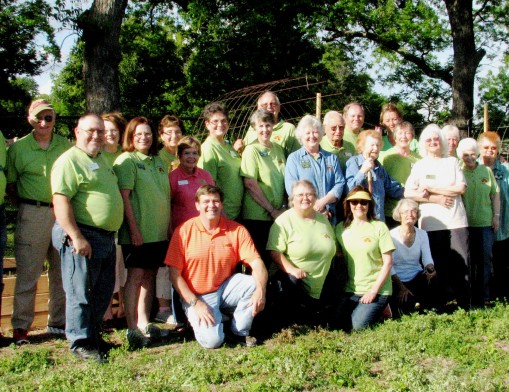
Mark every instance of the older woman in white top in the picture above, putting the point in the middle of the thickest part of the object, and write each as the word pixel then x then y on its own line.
pixel 437 183
pixel 413 268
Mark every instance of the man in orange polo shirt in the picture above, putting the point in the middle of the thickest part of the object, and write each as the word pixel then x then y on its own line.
pixel 202 257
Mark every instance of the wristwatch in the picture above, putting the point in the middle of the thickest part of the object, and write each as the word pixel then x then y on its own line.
pixel 193 302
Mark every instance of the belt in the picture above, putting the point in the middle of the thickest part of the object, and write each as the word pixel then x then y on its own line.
pixel 96 229
pixel 35 203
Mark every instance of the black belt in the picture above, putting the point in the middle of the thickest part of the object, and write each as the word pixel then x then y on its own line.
pixel 35 203
pixel 96 229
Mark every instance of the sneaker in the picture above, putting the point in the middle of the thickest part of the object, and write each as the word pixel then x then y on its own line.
pixel 248 341
pixel 136 339
pixel 87 353
pixel 58 330
pixel 153 332
pixel 20 336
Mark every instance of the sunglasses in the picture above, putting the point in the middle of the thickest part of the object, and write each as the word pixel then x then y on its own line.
pixel 362 202
pixel 48 118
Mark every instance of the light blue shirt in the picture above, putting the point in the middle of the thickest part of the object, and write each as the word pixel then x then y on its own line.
pixel 501 173
pixel 383 184
pixel 324 173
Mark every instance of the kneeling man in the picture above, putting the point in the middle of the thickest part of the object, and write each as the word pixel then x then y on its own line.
pixel 202 257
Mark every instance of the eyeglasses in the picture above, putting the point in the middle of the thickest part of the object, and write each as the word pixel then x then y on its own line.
pixel 269 104
pixel 491 148
pixel 302 195
pixel 432 139
pixel 92 130
pixel 48 118
pixel 362 202
pixel 112 130
pixel 409 212
pixel 337 128
pixel 170 134
pixel 140 135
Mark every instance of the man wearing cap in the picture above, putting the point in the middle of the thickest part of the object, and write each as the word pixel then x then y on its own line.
pixel 89 210
pixel 29 163
pixel 283 133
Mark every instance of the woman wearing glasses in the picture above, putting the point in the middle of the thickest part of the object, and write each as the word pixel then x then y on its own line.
pixel 437 183
pixel 302 245
pixel 221 159
pixel 171 129
pixel 367 248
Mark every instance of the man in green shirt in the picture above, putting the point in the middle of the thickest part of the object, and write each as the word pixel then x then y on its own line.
pixel 88 210
pixel 283 133
pixel 334 128
pixel 353 113
pixel 29 163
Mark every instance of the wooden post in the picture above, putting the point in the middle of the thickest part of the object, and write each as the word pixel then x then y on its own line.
pixel 319 106
pixel 486 118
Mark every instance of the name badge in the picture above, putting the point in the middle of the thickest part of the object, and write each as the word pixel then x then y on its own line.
pixel 431 177
pixel 140 166
pixel 264 154
pixel 93 166
pixel 183 182
pixel 305 163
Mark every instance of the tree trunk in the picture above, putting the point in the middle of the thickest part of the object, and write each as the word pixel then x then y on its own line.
pixel 101 31
pixel 466 60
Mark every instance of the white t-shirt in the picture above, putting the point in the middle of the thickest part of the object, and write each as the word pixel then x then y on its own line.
pixel 407 260
pixel 439 172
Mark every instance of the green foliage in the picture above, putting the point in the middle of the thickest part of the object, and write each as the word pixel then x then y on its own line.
pixel 21 23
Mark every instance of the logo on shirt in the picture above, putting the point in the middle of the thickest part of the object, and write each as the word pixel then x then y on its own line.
pixel 367 240
pixel 140 165
pixel 484 180
pixel 264 154
pixel 277 138
pixel 326 236
pixel 161 170
pixel 328 168
pixel 203 182
pixel 305 163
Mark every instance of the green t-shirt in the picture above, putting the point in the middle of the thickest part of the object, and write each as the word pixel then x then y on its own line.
pixel 223 163
pixel 91 184
pixel 29 166
pixel 111 156
pixel 267 167
pixel 167 158
pixel 3 159
pixel 147 179
pixel 342 153
pixel 283 134
pixel 308 244
pixel 481 185
pixel 398 167
pixel 350 141
pixel 363 246
pixel 414 144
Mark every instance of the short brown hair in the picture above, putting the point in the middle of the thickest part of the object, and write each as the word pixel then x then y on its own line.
pixel 208 190
pixel 188 142
pixel 171 120
pixel 118 120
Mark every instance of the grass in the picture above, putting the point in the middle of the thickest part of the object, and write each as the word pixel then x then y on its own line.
pixel 457 352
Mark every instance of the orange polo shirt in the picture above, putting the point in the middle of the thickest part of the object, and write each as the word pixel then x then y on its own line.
pixel 206 260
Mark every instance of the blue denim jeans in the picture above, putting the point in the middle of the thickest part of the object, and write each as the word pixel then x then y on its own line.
pixel 88 283
pixel 232 297
pixel 352 315
pixel 481 266
pixel 3 244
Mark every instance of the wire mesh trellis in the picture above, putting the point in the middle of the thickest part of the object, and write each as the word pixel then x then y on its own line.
pixel 297 97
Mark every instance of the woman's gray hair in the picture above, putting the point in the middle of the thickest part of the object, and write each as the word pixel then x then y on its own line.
pixel 467 144
pixel 396 213
pixel 306 122
pixel 404 126
pixel 452 129
pixel 262 115
pixel 430 131
pixel 297 183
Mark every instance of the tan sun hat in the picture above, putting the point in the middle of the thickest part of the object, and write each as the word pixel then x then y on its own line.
pixel 359 195
pixel 38 106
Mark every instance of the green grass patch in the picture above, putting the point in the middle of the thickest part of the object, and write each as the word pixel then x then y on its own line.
pixel 464 351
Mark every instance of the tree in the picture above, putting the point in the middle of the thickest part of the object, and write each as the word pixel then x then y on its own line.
pixel 494 90
pixel 101 31
pixel 413 35
pixel 21 22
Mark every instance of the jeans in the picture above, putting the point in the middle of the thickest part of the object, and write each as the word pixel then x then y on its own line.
pixel 233 296
pixel 88 283
pixel 352 315
pixel 481 267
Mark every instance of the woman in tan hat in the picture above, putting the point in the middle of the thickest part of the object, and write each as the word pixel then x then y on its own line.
pixel 367 247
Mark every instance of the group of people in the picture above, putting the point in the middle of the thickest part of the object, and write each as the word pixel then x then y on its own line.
pixel 313 222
